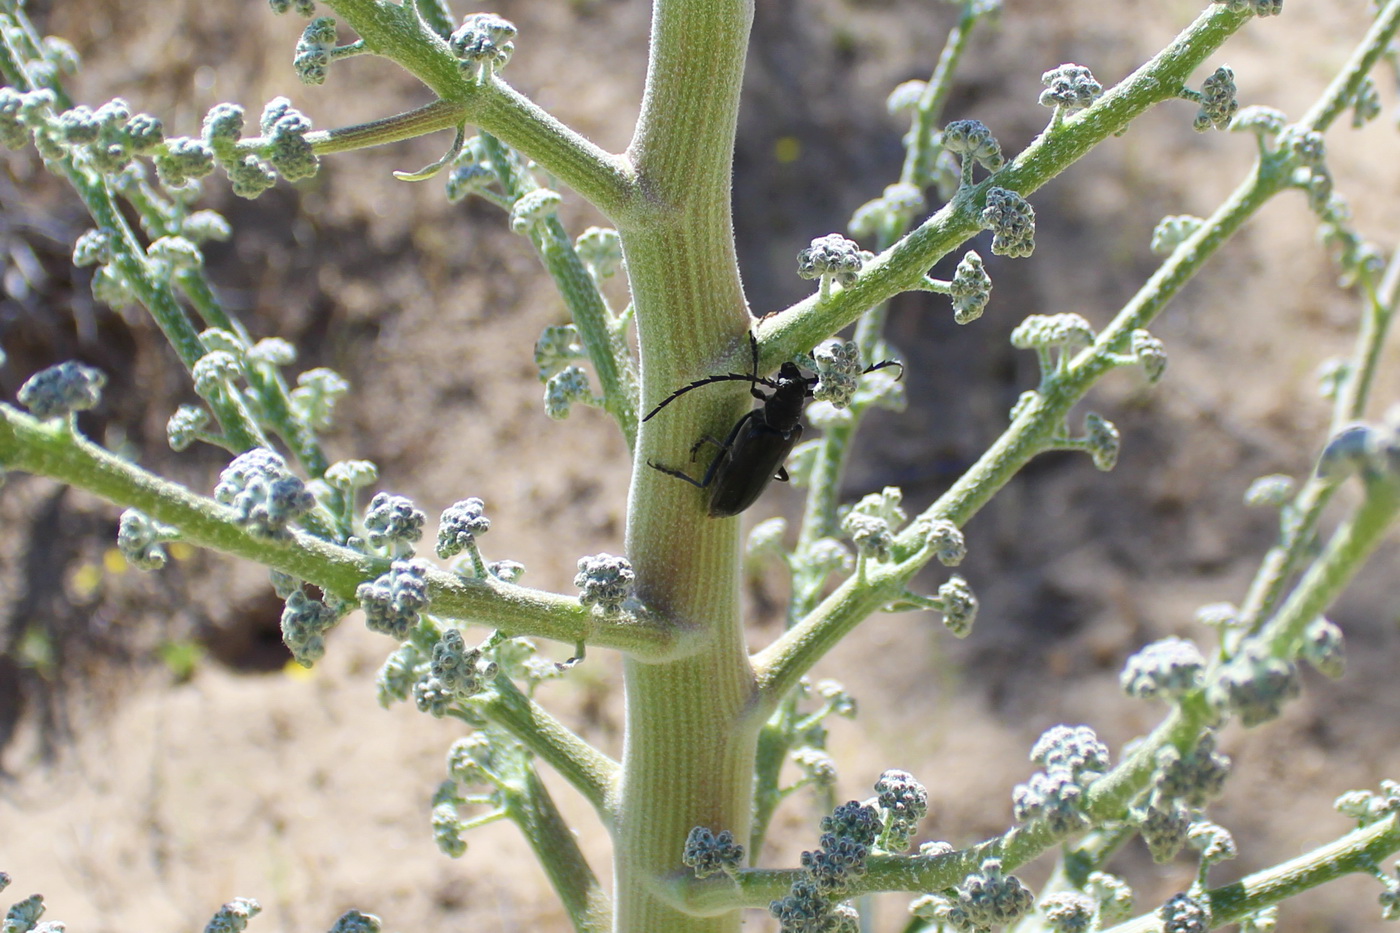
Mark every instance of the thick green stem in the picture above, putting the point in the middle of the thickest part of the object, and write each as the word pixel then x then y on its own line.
pixel 689 755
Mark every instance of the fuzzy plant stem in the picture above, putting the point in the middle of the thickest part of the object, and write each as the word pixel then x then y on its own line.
pixel 688 759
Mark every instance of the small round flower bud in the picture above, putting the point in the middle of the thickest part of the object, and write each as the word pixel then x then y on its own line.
pixel 1324 647
pixel 766 539
pixel 312 59
pixel 838 369
pixel 1366 105
pixel 564 389
pixel 62 390
pixel 890 213
pixel 203 226
pixel 1011 219
pixel 143 133
pixel 1184 914
pixel 1168 668
pixel 831 258
pixel 94 247
pixel 973 141
pixel 1151 354
pixel 817 766
pixel 1195 778
pixel 1069 88
pixel 214 372
pixel 186 426
pixel 174 254
pixel 958 605
pixel 393 601
pixel 606 582
pixel 183 161
pixel 904 803
pixel 139 539
pixel 111 288
pixel 1102 440
pixel 532 209
pixel 854 820
pixel 288 151
pixel 557 347
pixel 827 555
pixel 1114 896
pixel 1266 122
pixel 1367 807
pixel 305 622
pixel 946 539
pixel 1213 841
pixel 394 522
pixel 1218 615
pixel 1163 826
pixel 1255 686
pixel 303 7
pixel 460 525
pixel 710 853
pixel 885 504
pixel 447 830
pixel 315 397
pixel 1308 147
pixel 870 534
pixel 1075 749
pixel 990 898
pixel 265 496
pixel 1263 920
pixel 454 673
pixel 1172 231
pixel 350 475
pixel 905 97
pixel 468 179
pixel 507 571
pixel 233 917
pixel 1218 101
pixel 1053 796
pixel 971 288
pixel 484 44
pixel 13 133
pixel 352 921
pixel 223 128
pixel 600 250
pixel 1070 912
pixel 249 176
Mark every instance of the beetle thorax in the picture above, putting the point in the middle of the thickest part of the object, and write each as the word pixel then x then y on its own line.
pixel 783 409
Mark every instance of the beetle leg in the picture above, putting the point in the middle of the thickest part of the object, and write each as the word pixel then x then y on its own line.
pixel 699 484
pixel 695 448
pixel 782 475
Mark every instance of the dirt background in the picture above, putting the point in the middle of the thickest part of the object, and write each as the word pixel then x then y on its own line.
pixel 136 793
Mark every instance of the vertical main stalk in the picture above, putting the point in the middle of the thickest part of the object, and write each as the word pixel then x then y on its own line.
pixel 688 759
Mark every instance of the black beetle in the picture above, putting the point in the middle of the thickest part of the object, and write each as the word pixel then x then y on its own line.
pixel 753 453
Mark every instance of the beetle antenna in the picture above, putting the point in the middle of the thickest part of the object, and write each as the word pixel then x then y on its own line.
pixel 885 365
pixel 751 378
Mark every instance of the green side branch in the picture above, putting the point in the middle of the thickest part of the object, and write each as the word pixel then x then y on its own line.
pixel 397 33
pixel 592 774
pixel 53 451
pixel 902 267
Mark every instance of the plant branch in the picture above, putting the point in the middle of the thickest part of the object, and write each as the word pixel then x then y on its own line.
pixel 52 451
pixel 396 32
pixel 902 267
pixel 532 808
pixel 592 774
